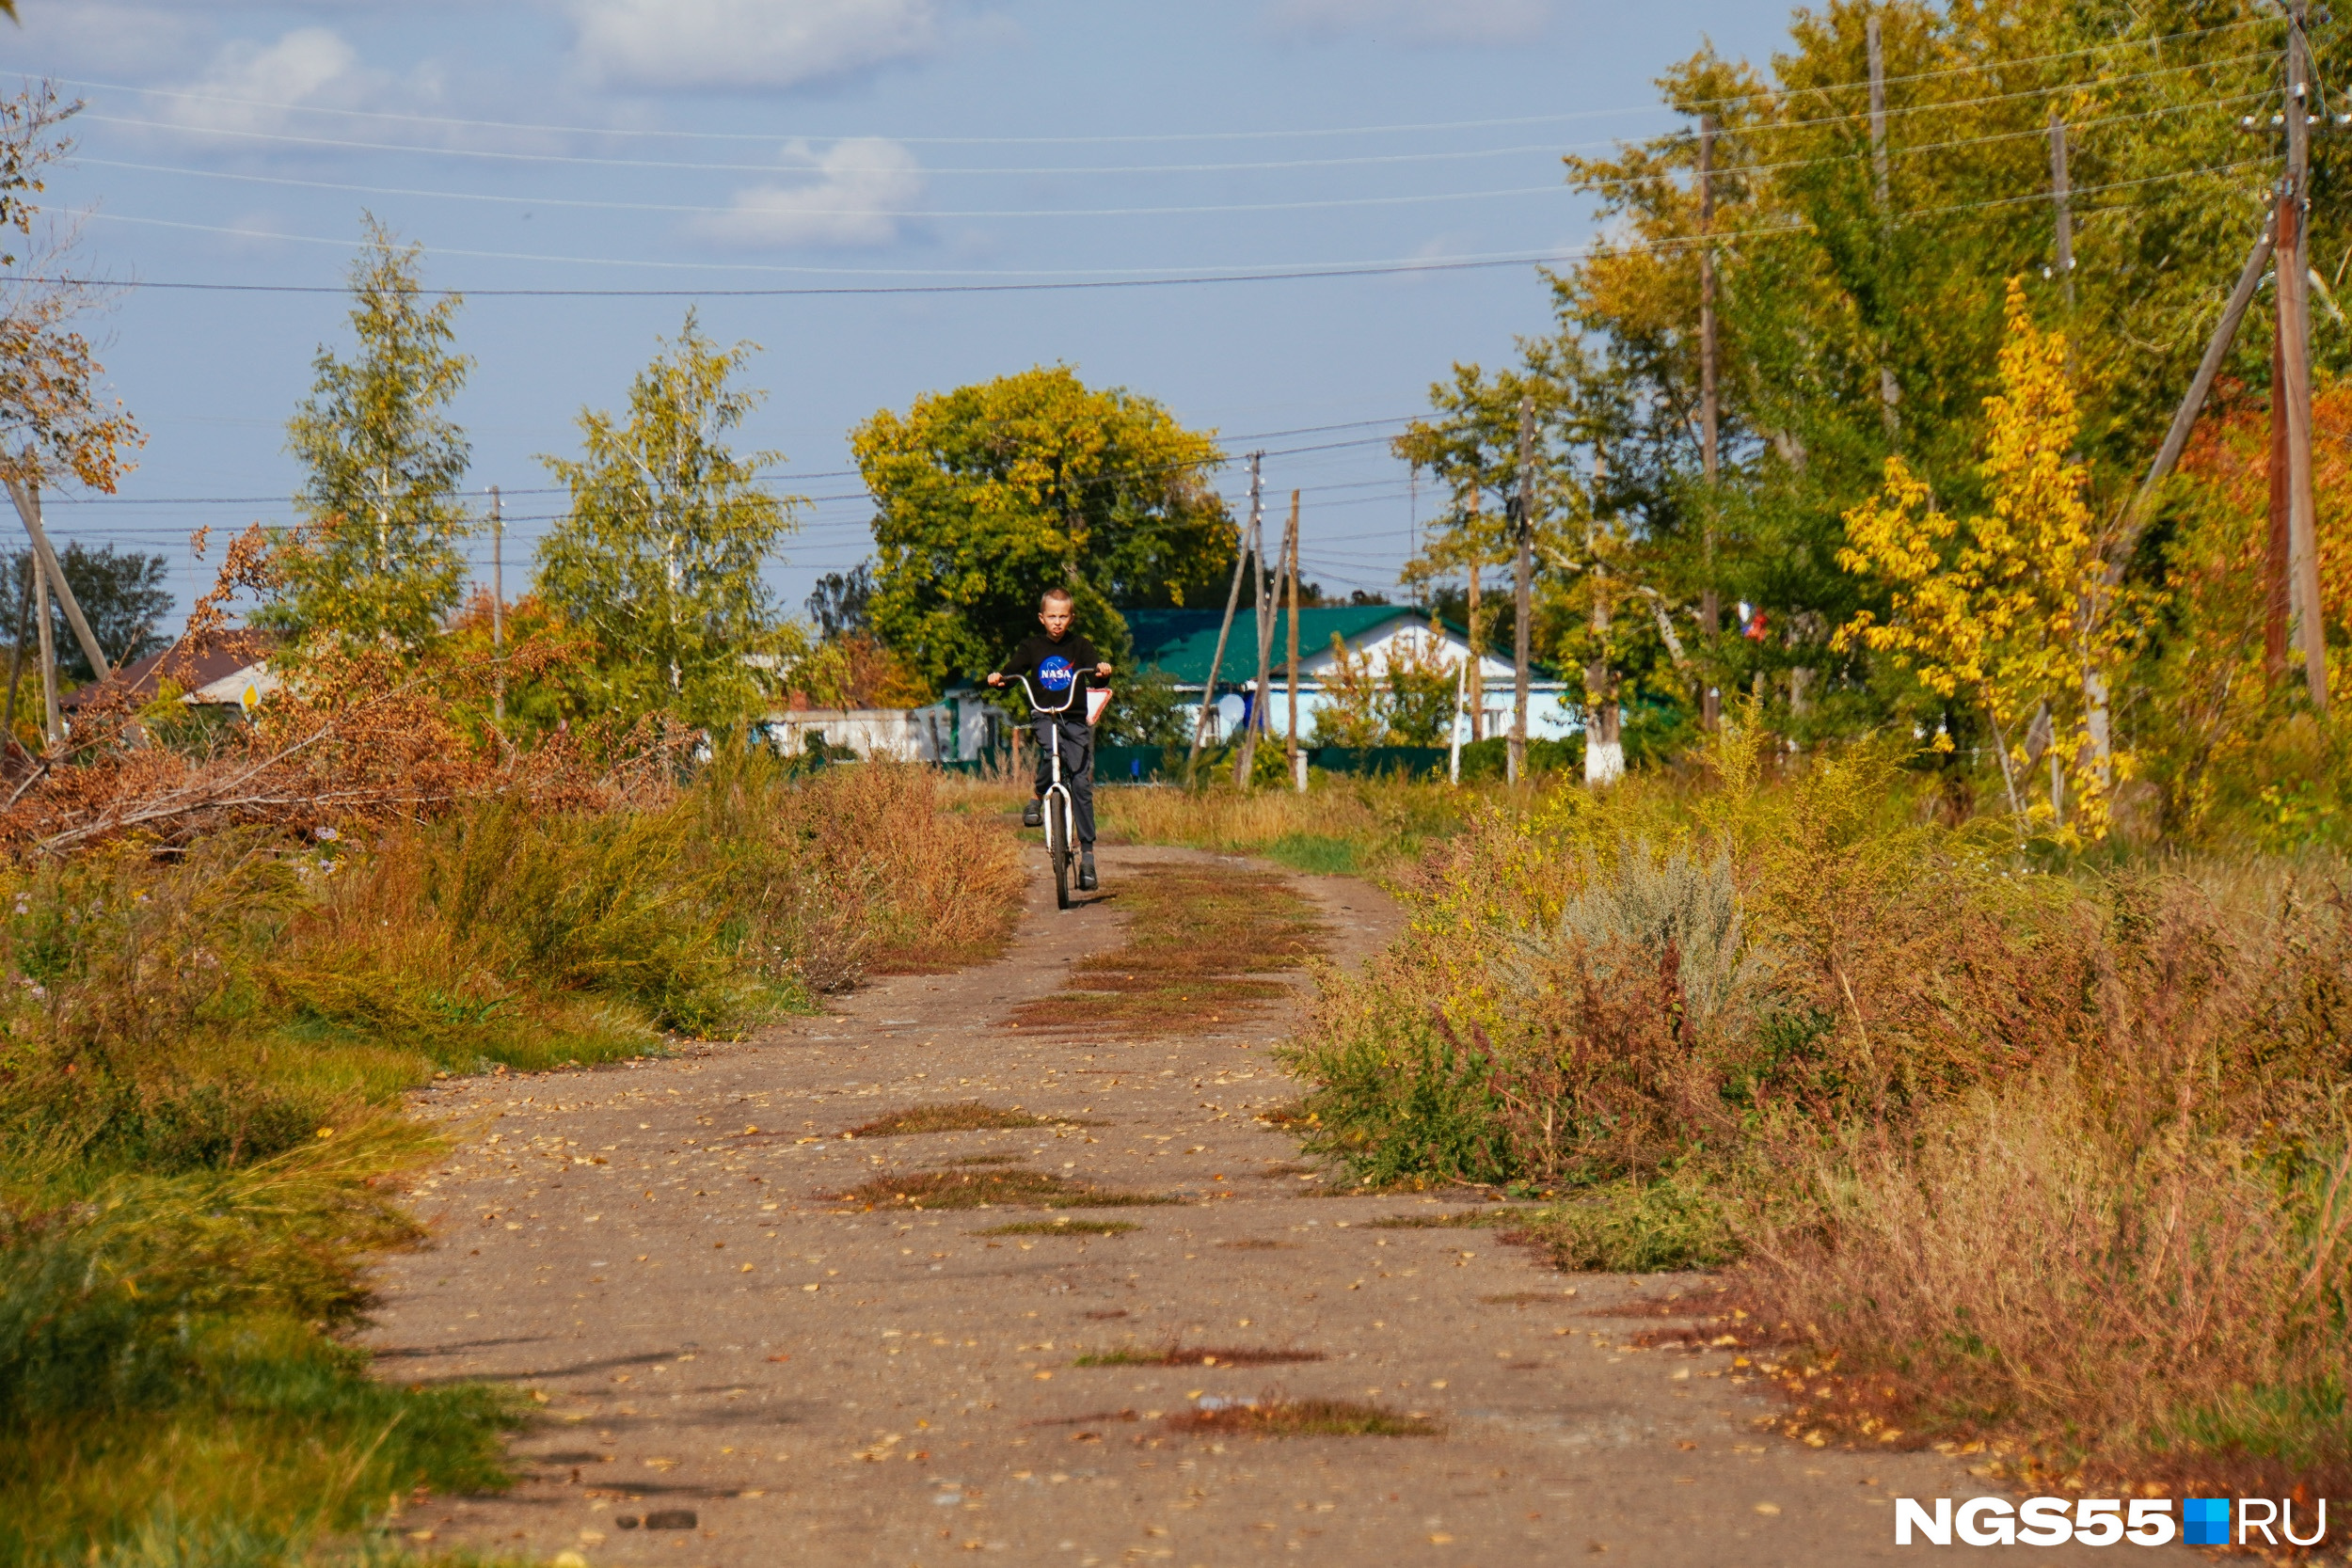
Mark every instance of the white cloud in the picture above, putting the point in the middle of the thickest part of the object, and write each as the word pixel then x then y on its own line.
pixel 252 87
pixel 747 44
pixel 1416 20
pixel 862 192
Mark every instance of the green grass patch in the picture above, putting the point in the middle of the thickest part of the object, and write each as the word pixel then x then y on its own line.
pixel 1464 1219
pixel 969 1116
pixel 1315 854
pixel 1305 1418
pixel 991 1189
pixel 1061 1227
pixel 1635 1227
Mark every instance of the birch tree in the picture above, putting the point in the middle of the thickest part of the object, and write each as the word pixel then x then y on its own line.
pixel 657 559
pixel 377 559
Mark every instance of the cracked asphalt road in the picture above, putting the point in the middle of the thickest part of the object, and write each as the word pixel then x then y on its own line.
pixel 648 1248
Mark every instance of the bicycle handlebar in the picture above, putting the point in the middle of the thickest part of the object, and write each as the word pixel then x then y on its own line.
pixel 1036 707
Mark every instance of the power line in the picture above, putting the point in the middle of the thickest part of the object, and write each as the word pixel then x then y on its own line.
pixel 773 168
pixel 2035 132
pixel 1984 65
pixel 1139 139
pixel 1082 284
pixel 186 95
pixel 1768 126
pixel 804 478
pixel 752 210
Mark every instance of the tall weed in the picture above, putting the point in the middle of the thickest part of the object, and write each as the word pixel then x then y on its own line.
pixel 201 1048
pixel 2060 1154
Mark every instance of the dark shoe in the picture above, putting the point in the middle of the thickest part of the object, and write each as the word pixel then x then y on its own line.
pixel 1033 814
pixel 1086 871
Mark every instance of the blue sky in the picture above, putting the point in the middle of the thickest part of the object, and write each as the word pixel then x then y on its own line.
pixel 703 146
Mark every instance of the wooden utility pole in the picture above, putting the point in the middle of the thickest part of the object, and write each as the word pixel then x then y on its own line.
pixel 27 499
pixel 2063 195
pixel 1224 630
pixel 498 608
pixel 2276 595
pixel 1710 602
pixel 1299 758
pixel 1522 586
pixel 2294 312
pixel 1890 391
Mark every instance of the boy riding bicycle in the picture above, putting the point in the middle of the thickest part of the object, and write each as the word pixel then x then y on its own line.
pixel 1061 660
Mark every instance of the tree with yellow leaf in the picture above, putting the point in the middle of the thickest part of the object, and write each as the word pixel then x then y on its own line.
pixel 2009 611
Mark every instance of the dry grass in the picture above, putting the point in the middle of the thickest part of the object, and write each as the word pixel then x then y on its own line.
pixel 1061 1227
pixel 1351 826
pixel 991 1189
pixel 1196 933
pixel 2055 1161
pixel 1281 1418
pixel 1197 1356
pixel 969 1116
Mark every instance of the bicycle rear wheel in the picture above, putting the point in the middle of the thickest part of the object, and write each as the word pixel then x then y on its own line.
pixel 1057 846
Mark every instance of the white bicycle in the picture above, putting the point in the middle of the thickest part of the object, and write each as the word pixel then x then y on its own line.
pixel 1061 811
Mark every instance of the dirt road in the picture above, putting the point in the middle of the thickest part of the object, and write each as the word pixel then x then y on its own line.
pixel 648 1248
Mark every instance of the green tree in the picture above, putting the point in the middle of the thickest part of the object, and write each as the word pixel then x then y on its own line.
pixel 122 594
pixel 989 495
pixel 377 557
pixel 657 560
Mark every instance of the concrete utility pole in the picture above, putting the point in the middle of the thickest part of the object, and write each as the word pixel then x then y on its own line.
pixel 2063 195
pixel 497 607
pixel 1299 758
pixel 1522 587
pixel 2295 315
pixel 1604 743
pixel 51 729
pixel 1890 391
pixel 1477 646
pixel 1224 630
pixel 1246 757
pixel 1710 602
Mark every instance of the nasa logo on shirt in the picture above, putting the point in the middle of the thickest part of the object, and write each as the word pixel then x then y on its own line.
pixel 1056 673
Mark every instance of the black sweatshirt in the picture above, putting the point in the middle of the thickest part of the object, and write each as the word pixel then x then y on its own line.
pixel 1056 665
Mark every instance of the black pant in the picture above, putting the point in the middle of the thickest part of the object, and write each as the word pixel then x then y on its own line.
pixel 1078 768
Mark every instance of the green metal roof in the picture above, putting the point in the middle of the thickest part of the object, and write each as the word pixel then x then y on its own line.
pixel 1182 642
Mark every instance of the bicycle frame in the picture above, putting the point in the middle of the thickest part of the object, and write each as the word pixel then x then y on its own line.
pixel 1055 748
pixel 1055 788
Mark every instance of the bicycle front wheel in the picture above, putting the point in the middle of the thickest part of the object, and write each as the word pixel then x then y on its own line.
pixel 1057 846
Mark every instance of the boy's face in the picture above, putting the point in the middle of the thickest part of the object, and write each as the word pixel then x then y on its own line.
pixel 1055 617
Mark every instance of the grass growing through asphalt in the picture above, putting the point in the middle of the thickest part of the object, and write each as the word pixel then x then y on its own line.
pixel 1465 1219
pixel 1198 936
pixel 991 1189
pixel 1303 1419
pixel 1196 1355
pixel 1064 1226
pixel 968 1116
